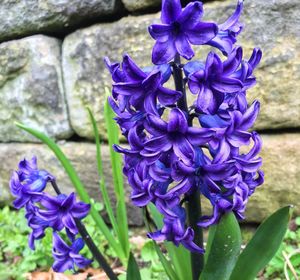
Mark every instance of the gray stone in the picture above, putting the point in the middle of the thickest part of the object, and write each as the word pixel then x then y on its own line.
pixel 266 26
pixel 280 163
pixel 31 89
pixel 140 5
pixel 23 18
pixel 83 158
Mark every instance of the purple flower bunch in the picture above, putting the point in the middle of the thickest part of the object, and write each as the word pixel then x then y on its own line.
pixel 176 150
pixel 43 211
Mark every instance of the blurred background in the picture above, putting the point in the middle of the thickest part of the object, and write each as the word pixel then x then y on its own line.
pixel 51 67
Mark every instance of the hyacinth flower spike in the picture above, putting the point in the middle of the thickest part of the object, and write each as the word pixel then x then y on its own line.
pixel 62 212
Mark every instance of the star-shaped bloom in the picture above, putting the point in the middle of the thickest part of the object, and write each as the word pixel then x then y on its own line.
pixel 174 230
pixel 141 90
pixel 230 134
pixel 60 211
pixel 65 256
pixel 28 182
pixel 180 29
pixel 176 135
pixel 214 80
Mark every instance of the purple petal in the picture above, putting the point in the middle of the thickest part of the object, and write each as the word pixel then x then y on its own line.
pixel 160 32
pixel 255 58
pixel 151 83
pixel 248 166
pixel 202 33
pixel 168 96
pixel 232 20
pixel 128 89
pixel 21 201
pixel 62 266
pixel 227 85
pixel 80 210
pixel 183 46
pixel 239 138
pixel 160 144
pixel 69 222
pixel 69 201
pixel 184 150
pixel 191 14
pixel 177 121
pixel 163 52
pixel 59 244
pixel 250 116
pixel 223 152
pixel 77 245
pixel 156 125
pixel 131 70
pixel 187 242
pixel 170 11
pixel 27 166
pixel 199 136
pixel 233 61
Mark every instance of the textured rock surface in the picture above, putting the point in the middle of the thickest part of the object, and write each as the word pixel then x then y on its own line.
pixel 31 89
pixel 139 5
pixel 21 18
pixel 271 25
pixel 280 154
pixel 82 156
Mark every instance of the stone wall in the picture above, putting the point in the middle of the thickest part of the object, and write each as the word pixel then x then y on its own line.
pixel 51 67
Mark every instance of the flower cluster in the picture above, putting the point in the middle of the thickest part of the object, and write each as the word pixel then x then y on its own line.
pixel 43 211
pixel 176 149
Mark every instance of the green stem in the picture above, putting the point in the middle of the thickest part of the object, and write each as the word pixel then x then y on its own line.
pixel 193 204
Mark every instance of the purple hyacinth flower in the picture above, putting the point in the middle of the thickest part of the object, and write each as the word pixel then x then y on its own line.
pixel 60 211
pixel 36 223
pixel 238 101
pixel 28 182
pixel 141 90
pixel 176 135
pixel 228 31
pixel 234 135
pixel 174 230
pixel 180 29
pixel 214 80
pixel 65 256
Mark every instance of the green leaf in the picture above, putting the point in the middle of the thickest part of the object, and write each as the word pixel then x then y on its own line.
pixel 211 235
pixel 133 272
pixel 103 188
pixel 224 249
pixel 263 246
pixel 76 183
pixel 116 163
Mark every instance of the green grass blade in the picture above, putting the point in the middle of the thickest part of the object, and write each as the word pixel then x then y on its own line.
pixel 116 162
pixel 133 272
pixel 179 256
pixel 263 246
pixel 103 188
pixel 224 250
pixel 76 183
